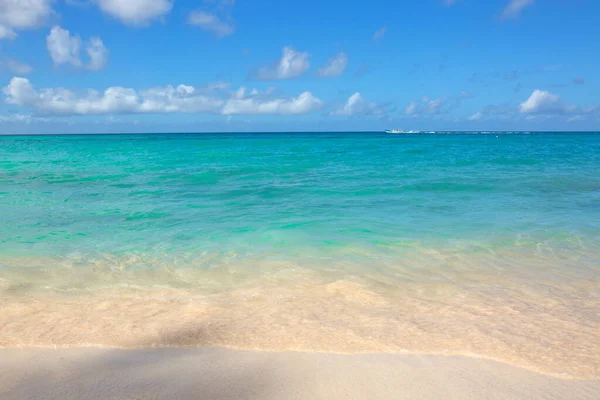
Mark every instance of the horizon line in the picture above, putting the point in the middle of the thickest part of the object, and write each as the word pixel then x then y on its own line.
pixel 298 132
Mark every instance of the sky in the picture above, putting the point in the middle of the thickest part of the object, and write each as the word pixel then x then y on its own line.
pixel 106 66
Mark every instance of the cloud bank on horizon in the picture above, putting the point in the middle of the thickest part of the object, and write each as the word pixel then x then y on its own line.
pixel 182 57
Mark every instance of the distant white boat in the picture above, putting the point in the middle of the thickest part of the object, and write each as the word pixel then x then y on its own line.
pixel 399 131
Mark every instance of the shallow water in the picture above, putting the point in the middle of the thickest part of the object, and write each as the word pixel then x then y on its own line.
pixel 455 244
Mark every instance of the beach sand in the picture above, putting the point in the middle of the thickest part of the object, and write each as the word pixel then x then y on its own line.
pixel 217 373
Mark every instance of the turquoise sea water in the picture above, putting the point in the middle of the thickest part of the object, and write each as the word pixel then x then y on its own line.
pixel 472 243
pixel 296 195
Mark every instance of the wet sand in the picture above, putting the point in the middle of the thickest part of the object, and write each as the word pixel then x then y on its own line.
pixel 552 332
pixel 217 373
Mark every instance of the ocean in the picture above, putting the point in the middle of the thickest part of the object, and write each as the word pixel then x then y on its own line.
pixel 476 244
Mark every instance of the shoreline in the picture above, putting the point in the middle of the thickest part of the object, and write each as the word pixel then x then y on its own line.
pixel 215 372
pixel 225 347
pixel 342 317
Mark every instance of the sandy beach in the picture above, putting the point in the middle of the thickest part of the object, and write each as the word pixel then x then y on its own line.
pixel 220 199
pixel 313 265
pixel 217 373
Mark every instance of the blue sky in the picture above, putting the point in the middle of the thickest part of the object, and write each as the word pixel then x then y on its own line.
pixel 84 66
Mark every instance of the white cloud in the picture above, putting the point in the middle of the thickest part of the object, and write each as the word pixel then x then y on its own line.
pixel 435 106
pixel 180 99
pixel 542 102
pixel 65 48
pixel 354 104
pixel 16 118
pixel 16 66
pixel 24 118
pixel 23 14
pixel 302 104
pixel 169 99
pixel 514 8
pixel 97 53
pixel 411 108
pixel 218 86
pixel 61 101
pixel 27 119
pixel 504 111
pixel 476 117
pixel 380 33
pixel 335 66
pixel 20 92
pixel 240 93
pixel 576 118
pixel 7 33
pixel 357 105
pixel 540 105
pixel 291 65
pixel 136 12
pixel 210 23
pixel 426 106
